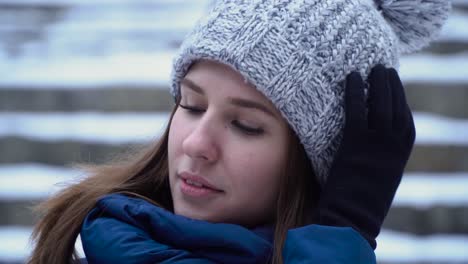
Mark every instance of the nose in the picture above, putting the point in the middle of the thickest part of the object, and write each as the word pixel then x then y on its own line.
pixel 200 143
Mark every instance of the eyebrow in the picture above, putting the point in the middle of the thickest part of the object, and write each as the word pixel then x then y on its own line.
pixel 193 86
pixel 235 101
pixel 251 104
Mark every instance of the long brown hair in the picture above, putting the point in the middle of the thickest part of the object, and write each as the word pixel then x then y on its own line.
pixel 145 174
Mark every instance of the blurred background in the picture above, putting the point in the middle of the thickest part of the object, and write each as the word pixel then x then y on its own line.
pixel 83 80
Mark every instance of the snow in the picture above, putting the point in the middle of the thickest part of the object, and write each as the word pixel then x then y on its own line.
pixel 135 17
pixel 15 245
pixel 117 128
pixel 456 28
pixel 127 42
pixel 85 126
pixel 88 72
pixel 93 45
pixel 405 248
pixel 100 2
pixel 36 181
pixel 441 69
pixel 423 190
pixel 433 129
pixel 460 2
pixel 124 16
pixel 391 246
pixel 136 68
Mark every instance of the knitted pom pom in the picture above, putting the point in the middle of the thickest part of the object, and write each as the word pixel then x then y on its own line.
pixel 415 22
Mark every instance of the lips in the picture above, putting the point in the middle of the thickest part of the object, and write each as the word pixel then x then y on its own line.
pixel 197 181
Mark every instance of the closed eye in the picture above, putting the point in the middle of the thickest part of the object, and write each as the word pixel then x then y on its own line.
pixel 244 129
pixel 247 129
pixel 192 109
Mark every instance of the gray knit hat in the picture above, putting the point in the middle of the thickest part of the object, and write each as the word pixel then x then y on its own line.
pixel 298 53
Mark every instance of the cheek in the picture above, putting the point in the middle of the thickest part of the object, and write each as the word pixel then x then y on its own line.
pixel 176 135
pixel 258 167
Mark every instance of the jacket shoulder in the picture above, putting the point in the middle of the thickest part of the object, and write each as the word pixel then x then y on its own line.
pixel 327 244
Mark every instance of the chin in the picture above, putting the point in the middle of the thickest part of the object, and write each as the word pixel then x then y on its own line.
pixel 196 214
pixel 209 216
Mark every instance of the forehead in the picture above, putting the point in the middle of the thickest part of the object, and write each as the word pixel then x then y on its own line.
pixel 223 85
pixel 221 78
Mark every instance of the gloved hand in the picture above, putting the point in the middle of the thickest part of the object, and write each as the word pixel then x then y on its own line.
pixel 374 150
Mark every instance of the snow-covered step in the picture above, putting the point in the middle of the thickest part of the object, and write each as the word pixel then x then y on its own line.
pixel 440 130
pixel 441 143
pixel 435 68
pixel 150 16
pixel 396 247
pixel 146 69
pixel 89 127
pixel 137 127
pixel 15 246
pixel 101 2
pixel 428 189
pixel 448 99
pixel 95 28
pixel 32 181
pixel 455 29
pixel 64 138
pixel 126 2
pixel 439 158
pixel 393 247
pixel 129 69
pixel 425 203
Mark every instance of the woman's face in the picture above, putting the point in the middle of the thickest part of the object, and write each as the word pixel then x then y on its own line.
pixel 227 148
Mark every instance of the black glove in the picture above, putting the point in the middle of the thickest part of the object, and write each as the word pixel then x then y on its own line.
pixel 374 150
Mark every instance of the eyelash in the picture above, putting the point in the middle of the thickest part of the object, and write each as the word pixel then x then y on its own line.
pixel 191 110
pixel 244 129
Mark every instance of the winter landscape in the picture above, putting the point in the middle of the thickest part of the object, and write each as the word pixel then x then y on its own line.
pixel 81 79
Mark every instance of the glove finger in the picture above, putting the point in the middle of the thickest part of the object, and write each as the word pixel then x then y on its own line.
pixel 355 105
pixel 403 123
pixel 380 99
pixel 411 135
pixel 401 110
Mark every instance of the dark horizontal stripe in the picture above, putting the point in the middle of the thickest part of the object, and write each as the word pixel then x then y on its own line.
pixel 438 158
pixel 448 99
pixel 61 153
pixel 433 158
pixel 447 47
pixel 425 221
pixel 460 6
pixel 418 221
pixel 46 8
pixel 104 99
pixel 445 99
pixel 18 213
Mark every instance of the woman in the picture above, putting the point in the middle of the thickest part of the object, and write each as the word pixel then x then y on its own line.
pixel 276 150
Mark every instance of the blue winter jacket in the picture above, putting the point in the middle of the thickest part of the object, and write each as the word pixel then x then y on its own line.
pixel 122 229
